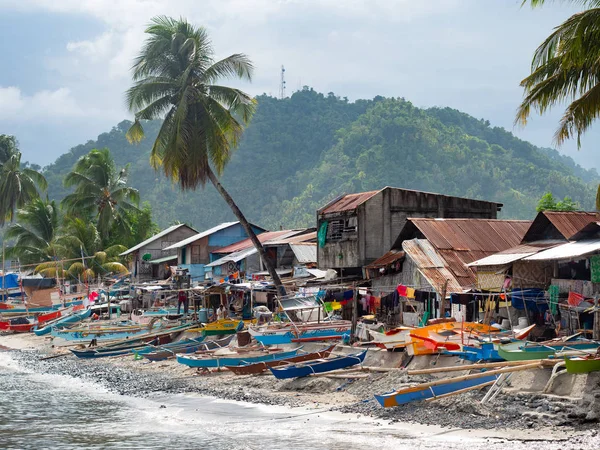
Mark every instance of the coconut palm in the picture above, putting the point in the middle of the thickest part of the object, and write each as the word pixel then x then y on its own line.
pixel 18 185
pixel 176 76
pixel 101 191
pixel 566 69
pixel 79 246
pixel 35 232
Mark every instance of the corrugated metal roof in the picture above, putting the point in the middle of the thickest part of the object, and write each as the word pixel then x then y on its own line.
pixel 154 238
pixel 567 251
pixel 305 253
pixel 513 254
pixel 390 257
pixel 569 223
pixel 306 237
pixel 201 235
pixel 162 260
pixel 262 237
pixel 348 202
pixel 235 257
pixel 431 265
pixel 486 235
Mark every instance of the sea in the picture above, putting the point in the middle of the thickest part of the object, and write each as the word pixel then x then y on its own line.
pixel 47 411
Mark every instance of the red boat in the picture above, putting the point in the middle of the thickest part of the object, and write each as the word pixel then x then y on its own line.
pixel 42 318
pixel 21 328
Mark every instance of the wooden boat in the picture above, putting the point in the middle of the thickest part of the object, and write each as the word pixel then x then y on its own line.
pixel 485 352
pixel 583 364
pixel 391 339
pixel 524 350
pixel 319 366
pixel 221 327
pixel 71 319
pixel 262 366
pixel 233 359
pixel 47 317
pixel 287 333
pixel 128 347
pixel 426 391
pixel 186 346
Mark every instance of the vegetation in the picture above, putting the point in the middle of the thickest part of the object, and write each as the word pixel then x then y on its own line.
pixel 565 69
pixel 67 241
pixel 301 151
pixel 176 75
pixel 549 203
pixel 18 185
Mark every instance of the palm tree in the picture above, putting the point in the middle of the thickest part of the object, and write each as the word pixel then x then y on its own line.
pixel 79 245
pixel 176 75
pixel 565 69
pixel 35 232
pixel 18 185
pixel 100 191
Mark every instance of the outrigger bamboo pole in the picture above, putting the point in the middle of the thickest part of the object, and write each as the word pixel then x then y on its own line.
pixel 467 367
pixel 460 391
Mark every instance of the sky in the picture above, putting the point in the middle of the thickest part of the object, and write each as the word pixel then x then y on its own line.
pixel 66 63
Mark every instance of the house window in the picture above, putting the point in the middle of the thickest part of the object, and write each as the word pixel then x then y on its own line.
pixel 342 229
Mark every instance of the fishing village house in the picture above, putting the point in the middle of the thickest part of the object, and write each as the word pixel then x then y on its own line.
pixel 195 252
pixel 242 259
pixel 430 258
pixel 150 259
pixel 552 276
pixel 355 230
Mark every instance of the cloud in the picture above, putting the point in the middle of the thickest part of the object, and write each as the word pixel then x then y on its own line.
pixel 49 105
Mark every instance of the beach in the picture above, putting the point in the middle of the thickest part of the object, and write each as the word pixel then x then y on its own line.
pixel 516 416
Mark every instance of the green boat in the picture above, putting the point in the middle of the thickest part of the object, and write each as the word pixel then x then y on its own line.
pixel 583 365
pixel 525 351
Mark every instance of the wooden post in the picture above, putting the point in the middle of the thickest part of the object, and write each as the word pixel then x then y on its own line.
pixel 354 315
pixel 443 299
pixel 596 333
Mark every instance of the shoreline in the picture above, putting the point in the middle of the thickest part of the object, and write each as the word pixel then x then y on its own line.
pixel 454 416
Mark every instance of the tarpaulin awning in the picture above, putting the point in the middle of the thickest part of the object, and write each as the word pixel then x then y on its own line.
pixel 9 281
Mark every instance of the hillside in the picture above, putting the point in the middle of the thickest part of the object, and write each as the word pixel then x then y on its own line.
pixel 301 151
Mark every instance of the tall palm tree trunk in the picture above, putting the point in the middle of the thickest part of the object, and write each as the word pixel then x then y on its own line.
pixel 240 216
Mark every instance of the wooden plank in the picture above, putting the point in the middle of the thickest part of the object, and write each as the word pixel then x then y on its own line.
pixel 467 367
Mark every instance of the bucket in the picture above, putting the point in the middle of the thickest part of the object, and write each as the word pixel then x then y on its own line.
pixel 203 315
pixel 523 322
pixel 505 324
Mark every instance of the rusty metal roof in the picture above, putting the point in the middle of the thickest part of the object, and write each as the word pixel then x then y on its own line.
pixel 569 223
pixel 348 202
pixel 431 264
pixel 297 239
pixel 459 242
pixel 263 238
pixel 390 257
pixel 514 254
pixel 482 235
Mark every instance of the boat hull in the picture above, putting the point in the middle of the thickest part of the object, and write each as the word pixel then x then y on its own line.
pixel 419 393
pixel 290 334
pixel 303 370
pixel 518 352
pixel 263 366
pixel 217 362
pixel 580 365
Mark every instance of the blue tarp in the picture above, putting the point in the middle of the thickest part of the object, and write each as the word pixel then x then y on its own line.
pixel 535 299
pixel 11 280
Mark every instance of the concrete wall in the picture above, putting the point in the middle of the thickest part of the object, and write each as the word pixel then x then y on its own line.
pixel 382 217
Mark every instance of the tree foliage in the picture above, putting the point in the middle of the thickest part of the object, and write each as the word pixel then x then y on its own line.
pixel 301 151
pixel 549 203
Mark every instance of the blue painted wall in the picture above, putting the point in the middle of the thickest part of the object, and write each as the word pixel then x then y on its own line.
pixel 196 271
pixel 231 235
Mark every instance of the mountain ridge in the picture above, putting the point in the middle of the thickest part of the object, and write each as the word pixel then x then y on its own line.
pixel 301 151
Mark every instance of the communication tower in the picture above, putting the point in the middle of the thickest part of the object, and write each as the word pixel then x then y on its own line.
pixel 282 84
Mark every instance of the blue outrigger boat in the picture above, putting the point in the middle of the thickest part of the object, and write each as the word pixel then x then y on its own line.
pixel 206 362
pixel 319 366
pixel 426 391
pixel 68 320
pixel 488 352
pixel 185 346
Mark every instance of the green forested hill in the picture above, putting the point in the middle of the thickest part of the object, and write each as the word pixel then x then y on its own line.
pixel 301 151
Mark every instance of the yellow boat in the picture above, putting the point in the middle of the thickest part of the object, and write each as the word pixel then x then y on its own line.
pixel 220 327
